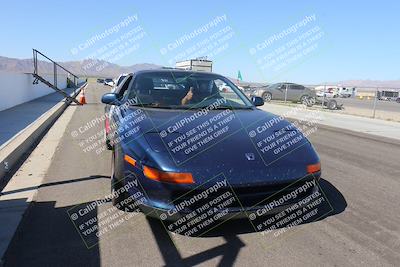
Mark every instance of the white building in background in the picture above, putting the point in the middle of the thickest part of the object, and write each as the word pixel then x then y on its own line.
pixel 198 64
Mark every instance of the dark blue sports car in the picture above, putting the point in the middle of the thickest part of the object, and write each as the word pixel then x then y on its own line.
pixel 190 145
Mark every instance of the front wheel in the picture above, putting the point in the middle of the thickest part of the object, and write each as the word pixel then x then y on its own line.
pixel 267 97
pixel 307 100
pixel 332 105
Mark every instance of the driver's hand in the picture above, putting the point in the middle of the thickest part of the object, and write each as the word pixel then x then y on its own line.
pixel 188 96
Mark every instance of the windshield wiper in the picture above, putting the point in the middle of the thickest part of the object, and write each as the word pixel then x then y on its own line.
pixel 231 107
pixel 151 105
pixel 156 105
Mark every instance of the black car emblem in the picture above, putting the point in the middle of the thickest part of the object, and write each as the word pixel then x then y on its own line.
pixel 250 156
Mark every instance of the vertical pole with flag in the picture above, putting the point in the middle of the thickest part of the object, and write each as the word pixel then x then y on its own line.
pixel 239 77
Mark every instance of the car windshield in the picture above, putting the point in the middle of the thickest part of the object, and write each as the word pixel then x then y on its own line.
pixel 108 80
pixel 186 90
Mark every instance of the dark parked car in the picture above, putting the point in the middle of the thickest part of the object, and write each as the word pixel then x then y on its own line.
pixel 290 91
pixel 178 139
pixel 109 82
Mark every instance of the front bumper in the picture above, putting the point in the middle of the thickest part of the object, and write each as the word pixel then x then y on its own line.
pixel 152 208
pixel 230 213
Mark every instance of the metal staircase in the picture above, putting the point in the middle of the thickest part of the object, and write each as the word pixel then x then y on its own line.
pixel 53 85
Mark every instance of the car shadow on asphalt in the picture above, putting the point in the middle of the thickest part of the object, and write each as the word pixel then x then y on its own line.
pixel 335 204
pixel 227 251
pixel 230 231
pixel 49 235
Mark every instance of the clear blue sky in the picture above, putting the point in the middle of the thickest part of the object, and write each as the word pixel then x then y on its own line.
pixel 360 39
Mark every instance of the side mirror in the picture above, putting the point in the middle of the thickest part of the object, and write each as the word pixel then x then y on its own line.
pixel 257 101
pixel 110 99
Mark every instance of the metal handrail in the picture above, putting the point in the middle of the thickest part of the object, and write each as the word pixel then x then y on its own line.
pixel 55 65
pixel 35 58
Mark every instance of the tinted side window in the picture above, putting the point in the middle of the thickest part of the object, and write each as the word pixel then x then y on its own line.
pixel 296 87
pixel 275 86
pixel 120 80
pixel 123 88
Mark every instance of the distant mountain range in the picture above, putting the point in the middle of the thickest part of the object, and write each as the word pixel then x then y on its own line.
pixel 369 83
pixel 101 68
pixel 88 67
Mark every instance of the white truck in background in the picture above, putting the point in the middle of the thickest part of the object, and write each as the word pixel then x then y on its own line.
pixel 335 91
pixel 327 91
pixel 347 91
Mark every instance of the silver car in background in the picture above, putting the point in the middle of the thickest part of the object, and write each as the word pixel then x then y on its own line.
pixel 286 91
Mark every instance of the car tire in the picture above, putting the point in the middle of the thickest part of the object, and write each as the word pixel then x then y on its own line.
pixel 267 97
pixel 311 101
pixel 332 105
pixel 306 100
pixel 117 177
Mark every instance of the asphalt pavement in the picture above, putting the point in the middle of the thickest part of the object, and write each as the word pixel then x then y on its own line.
pixel 360 179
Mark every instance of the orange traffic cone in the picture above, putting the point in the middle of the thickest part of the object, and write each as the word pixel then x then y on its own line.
pixel 82 98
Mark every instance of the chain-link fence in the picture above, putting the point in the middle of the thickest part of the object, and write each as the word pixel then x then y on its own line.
pixel 367 101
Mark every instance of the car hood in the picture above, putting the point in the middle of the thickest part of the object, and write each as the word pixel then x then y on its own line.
pixel 231 153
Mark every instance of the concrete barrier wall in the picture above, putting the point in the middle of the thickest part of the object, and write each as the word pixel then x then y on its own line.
pixel 17 88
